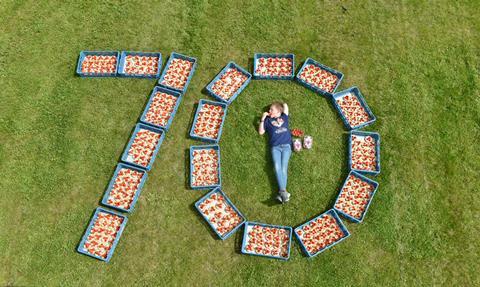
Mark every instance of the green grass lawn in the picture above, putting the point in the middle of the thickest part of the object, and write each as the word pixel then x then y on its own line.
pixel 417 64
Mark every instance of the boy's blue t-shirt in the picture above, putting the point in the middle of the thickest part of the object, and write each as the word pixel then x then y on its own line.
pixel 278 131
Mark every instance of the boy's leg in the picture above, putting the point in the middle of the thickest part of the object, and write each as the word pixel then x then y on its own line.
pixel 277 164
pixel 286 152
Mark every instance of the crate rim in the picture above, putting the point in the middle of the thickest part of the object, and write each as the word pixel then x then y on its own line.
pixel 219 190
pixel 89 228
pixel 237 93
pixel 364 178
pixel 356 91
pixel 208 146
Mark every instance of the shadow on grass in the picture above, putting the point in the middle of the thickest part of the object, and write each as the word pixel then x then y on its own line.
pixel 250 65
pixel 345 171
pixel 239 239
pixel 192 117
pixel 187 168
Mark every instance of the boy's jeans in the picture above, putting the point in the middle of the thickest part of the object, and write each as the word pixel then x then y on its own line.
pixel 281 155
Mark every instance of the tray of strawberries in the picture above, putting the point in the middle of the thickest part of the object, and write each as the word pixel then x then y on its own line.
pixel 205 169
pixel 353 108
pixel 178 72
pixel 273 66
pixel 161 108
pixel 143 146
pixel 229 83
pixel 124 187
pixel 321 233
pixel 102 235
pixel 97 64
pixel 364 152
pixel 140 64
pixel 319 78
pixel 355 196
pixel 220 213
pixel 267 240
pixel 208 121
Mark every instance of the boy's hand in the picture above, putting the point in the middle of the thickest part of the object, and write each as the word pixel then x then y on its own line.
pixel 265 115
pixel 285 108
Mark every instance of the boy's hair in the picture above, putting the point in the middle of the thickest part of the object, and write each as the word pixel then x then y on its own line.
pixel 278 105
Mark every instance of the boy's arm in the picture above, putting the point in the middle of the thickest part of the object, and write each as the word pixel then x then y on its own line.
pixel 285 108
pixel 261 127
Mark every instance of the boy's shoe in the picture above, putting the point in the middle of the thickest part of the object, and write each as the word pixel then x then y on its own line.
pixel 279 198
pixel 284 195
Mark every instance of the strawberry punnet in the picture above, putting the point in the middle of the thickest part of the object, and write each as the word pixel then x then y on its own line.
pixel 269 241
pixel 102 235
pixel 320 233
pixel 220 213
pixel 205 167
pixel 298 133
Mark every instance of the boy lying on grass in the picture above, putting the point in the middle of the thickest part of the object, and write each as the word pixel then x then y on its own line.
pixel 275 123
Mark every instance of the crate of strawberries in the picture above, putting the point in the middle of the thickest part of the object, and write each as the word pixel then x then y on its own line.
pixel 140 64
pixel 321 233
pixel 267 240
pixel 205 169
pixel 319 78
pixel 102 235
pixel 143 146
pixel 229 83
pixel 353 108
pixel 178 72
pixel 161 108
pixel 208 122
pixel 124 187
pixel 220 213
pixel 364 152
pixel 97 64
pixel 355 196
pixel 273 66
